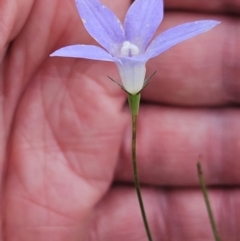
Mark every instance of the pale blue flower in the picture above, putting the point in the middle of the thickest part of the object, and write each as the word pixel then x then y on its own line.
pixel 129 45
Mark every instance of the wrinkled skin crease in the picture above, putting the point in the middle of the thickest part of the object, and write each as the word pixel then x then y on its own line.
pixel 66 136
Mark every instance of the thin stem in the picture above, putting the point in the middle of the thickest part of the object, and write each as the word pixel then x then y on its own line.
pixel 207 202
pixel 134 105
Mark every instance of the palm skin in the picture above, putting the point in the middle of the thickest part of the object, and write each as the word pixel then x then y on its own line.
pixel 66 132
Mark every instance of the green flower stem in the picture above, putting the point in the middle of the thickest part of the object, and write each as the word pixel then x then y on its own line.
pixel 134 101
pixel 205 194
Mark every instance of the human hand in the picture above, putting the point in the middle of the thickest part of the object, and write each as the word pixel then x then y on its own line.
pixel 67 131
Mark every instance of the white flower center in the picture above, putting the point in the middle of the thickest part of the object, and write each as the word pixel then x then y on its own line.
pixel 128 49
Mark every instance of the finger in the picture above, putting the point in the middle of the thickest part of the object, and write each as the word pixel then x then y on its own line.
pixel 13 15
pixel 202 71
pixel 216 6
pixel 172 215
pixel 170 141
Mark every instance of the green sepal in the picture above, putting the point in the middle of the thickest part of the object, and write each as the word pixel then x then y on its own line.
pixel 134 101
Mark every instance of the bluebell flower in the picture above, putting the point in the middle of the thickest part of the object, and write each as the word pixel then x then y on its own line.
pixel 129 45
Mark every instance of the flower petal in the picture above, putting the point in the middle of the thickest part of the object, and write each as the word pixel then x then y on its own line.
pixel 176 35
pixel 83 51
pixel 142 20
pixel 101 24
pixel 132 74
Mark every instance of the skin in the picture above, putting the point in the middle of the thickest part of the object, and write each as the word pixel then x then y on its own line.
pixel 65 135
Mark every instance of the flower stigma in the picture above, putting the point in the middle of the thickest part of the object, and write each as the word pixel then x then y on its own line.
pixel 128 49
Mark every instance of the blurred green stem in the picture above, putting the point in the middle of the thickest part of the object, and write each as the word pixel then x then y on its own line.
pixel 134 101
pixel 205 195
